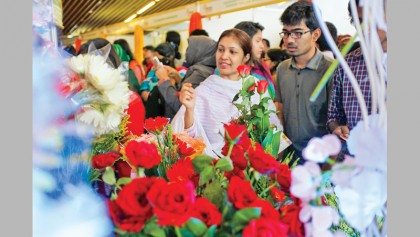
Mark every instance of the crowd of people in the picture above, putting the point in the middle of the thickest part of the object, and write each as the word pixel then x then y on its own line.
pixel 197 96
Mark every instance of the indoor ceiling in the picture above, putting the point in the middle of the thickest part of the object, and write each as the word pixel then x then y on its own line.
pixel 81 16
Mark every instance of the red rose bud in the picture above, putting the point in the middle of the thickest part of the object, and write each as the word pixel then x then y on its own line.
pixel 251 88
pixel 157 124
pixel 102 161
pixel 262 86
pixel 244 70
pixel 233 132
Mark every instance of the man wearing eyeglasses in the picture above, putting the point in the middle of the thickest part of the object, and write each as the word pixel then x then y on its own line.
pixel 298 76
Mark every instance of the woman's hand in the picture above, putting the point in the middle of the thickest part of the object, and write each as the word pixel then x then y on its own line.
pixel 187 96
pixel 162 74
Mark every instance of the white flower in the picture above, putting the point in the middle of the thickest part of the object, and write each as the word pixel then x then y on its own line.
pixel 319 149
pixel 366 196
pixel 306 179
pixel 79 63
pixel 369 146
pixel 342 172
pixel 318 220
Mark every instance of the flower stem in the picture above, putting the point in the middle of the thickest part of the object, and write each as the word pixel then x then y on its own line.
pixel 267 189
pixel 178 232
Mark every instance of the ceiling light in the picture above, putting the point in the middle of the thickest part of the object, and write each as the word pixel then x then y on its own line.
pixel 130 18
pixel 143 9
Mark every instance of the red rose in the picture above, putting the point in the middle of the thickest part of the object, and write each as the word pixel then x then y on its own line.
pixel 143 154
pixel 235 132
pixel 244 70
pixel 124 221
pixel 183 170
pixel 172 203
pixel 240 193
pixel 154 125
pixel 290 216
pixel 265 227
pixel 123 169
pixel 251 88
pixel 207 212
pixel 237 156
pixel 102 161
pixel 262 162
pixel 262 86
pixel 267 210
pixel 132 197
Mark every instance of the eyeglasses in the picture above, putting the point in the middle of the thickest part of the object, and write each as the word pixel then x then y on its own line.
pixel 294 35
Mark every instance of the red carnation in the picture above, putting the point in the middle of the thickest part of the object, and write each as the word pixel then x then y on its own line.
pixel 102 161
pixel 240 193
pixel 123 169
pixel 277 194
pixel 143 154
pixel 172 203
pixel 183 170
pixel 237 156
pixel 155 125
pixel 244 70
pixel 183 148
pixel 283 176
pixel 235 172
pixel 262 86
pixel 207 212
pixel 262 162
pixel 265 227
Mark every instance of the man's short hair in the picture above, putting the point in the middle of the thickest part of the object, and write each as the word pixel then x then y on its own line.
pixel 299 11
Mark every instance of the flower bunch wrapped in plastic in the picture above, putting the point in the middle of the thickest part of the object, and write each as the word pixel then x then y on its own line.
pixel 100 90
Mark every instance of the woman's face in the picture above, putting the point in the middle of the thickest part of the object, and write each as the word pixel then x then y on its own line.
pixel 229 56
pixel 257 44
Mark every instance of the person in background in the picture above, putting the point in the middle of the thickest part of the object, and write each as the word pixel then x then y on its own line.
pixel 148 52
pixel 298 76
pixel 200 55
pixel 133 64
pixel 174 39
pixel 273 58
pixel 152 98
pixel 282 45
pixel 206 108
pixel 259 69
pixel 199 32
pixel 344 110
pixel 322 42
pixel 266 47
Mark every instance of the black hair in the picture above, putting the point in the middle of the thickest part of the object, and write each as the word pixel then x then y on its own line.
pixel 300 11
pixel 322 42
pixel 199 32
pixel 277 56
pixel 167 51
pixel 174 39
pixel 350 15
pixel 100 43
pixel 124 44
pixel 251 28
pixel 267 42
pixel 149 47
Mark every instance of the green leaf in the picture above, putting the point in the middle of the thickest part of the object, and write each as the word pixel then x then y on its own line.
pixel 196 227
pixel 201 162
pixel 215 193
pixel 109 176
pixel 157 232
pixel 275 143
pixel 210 231
pixel 236 97
pixel 225 164
pixel 268 138
pixel 152 229
pixel 94 175
pixel 186 233
pixel 123 181
pixel 206 175
pixel 242 217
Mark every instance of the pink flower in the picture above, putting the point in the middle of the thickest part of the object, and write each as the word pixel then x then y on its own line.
pixel 305 181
